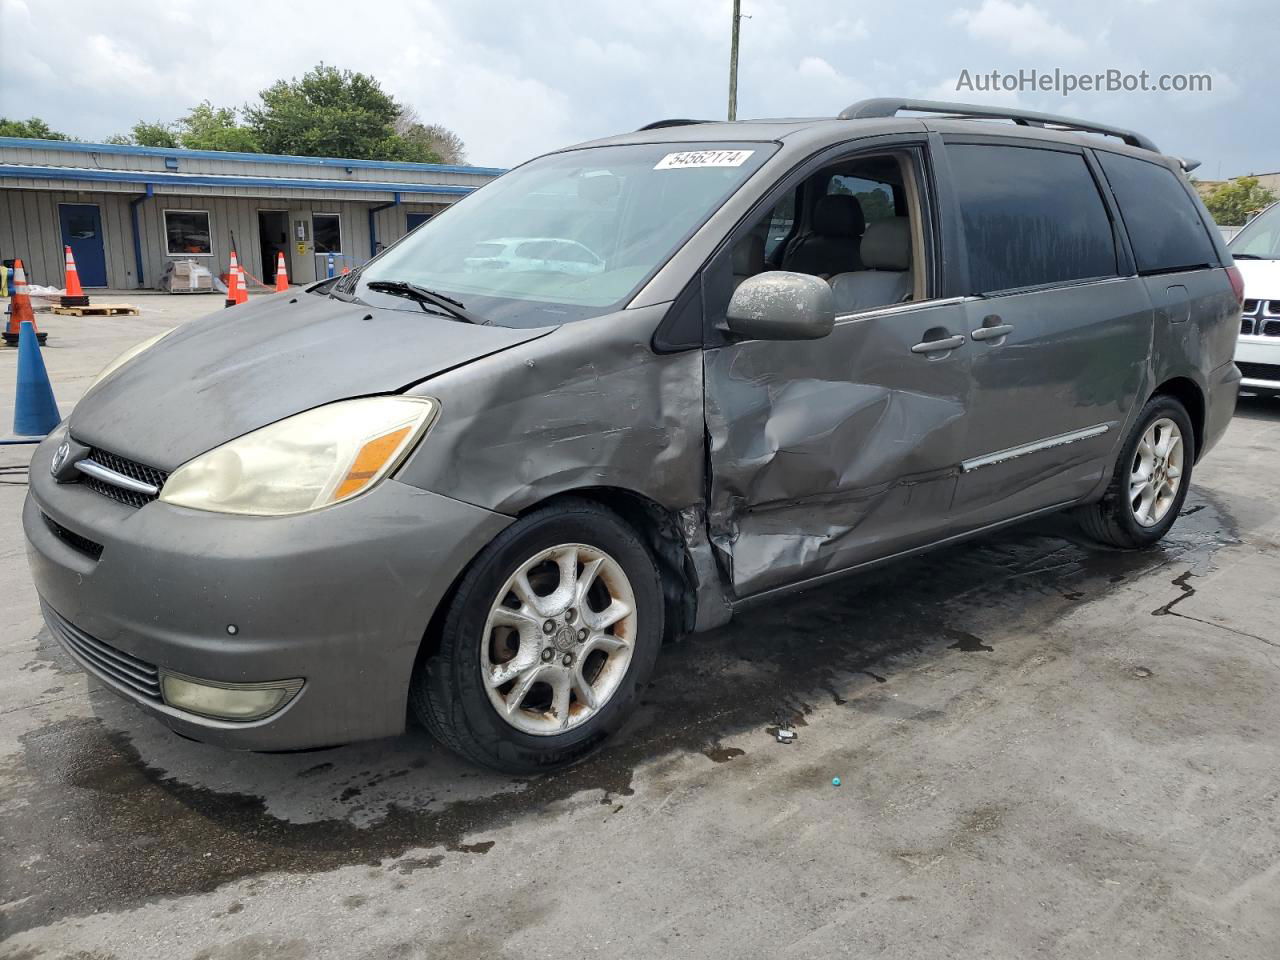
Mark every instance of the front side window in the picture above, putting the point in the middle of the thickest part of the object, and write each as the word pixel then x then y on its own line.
pixel 567 236
pixel 1163 223
pixel 1260 238
pixel 187 233
pixel 327 228
pixel 1031 217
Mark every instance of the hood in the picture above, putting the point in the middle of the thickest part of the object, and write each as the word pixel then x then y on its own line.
pixel 220 377
pixel 1261 279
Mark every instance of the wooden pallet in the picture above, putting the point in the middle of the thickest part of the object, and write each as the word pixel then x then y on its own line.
pixel 99 310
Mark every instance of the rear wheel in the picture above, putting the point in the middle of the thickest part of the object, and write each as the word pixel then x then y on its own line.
pixel 1151 479
pixel 545 643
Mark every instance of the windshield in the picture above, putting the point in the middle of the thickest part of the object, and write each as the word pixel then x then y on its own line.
pixel 566 236
pixel 1260 238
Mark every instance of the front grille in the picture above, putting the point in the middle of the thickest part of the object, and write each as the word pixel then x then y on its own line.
pixel 106 661
pixel 1259 371
pixel 73 539
pixel 130 468
pixel 1246 326
pixel 1271 328
pixel 1250 306
pixel 1273 307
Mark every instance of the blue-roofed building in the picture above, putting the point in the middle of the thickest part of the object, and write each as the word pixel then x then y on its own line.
pixel 127 211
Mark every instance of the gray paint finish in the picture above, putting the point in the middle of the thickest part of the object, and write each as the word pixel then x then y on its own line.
pixel 218 378
pixel 765 465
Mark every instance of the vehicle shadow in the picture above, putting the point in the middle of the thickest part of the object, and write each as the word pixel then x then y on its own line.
pixel 167 816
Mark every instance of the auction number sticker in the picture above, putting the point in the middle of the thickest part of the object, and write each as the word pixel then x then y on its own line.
pixel 703 158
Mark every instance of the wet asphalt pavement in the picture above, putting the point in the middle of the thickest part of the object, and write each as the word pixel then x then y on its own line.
pixel 1045 749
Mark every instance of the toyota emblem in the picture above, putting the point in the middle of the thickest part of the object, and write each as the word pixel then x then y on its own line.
pixel 60 457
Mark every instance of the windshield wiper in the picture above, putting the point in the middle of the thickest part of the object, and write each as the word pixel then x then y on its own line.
pixel 403 288
pixel 1245 256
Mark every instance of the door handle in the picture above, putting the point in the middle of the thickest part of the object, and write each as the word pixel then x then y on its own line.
pixel 992 333
pixel 933 346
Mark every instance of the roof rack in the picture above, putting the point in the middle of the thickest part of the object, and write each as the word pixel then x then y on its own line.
pixel 659 124
pixel 889 107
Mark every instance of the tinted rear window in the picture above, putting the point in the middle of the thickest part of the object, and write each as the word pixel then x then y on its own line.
pixel 1163 223
pixel 1031 217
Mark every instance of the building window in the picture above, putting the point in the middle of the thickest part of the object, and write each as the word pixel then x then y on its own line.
pixel 327 228
pixel 187 233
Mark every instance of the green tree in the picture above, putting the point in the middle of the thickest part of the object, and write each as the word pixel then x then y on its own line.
pixel 33 129
pixel 207 127
pixel 158 134
pixel 329 112
pixel 1231 203
pixel 443 144
pixel 143 134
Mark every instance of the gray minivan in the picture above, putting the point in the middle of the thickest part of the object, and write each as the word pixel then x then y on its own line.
pixel 485 497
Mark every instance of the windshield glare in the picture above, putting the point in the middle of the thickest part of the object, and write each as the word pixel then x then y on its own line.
pixel 1260 236
pixel 570 235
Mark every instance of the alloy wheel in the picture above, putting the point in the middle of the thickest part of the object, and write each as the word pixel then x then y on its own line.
pixel 558 639
pixel 1157 472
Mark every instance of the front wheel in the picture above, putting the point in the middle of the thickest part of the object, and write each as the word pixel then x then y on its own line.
pixel 546 641
pixel 1151 479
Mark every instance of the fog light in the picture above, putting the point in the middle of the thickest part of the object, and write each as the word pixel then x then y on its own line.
pixel 227 701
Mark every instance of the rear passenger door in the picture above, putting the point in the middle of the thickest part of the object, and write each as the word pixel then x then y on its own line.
pixel 1059 327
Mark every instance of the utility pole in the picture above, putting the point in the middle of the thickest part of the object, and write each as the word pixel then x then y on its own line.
pixel 733 61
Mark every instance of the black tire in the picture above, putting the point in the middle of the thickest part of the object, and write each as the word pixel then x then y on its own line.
pixel 1111 520
pixel 448 694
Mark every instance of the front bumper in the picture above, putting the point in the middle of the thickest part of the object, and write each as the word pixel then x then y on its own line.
pixel 339 597
pixel 1259 358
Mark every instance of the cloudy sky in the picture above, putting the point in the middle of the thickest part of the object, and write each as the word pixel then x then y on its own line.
pixel 517 77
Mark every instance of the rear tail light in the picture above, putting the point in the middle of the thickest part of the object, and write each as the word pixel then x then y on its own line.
pixel 1237 283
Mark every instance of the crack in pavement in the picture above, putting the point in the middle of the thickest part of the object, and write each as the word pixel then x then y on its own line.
pixel 1189 591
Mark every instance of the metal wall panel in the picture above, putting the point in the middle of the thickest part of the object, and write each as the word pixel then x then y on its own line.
pixel 29 225
pixel 29 229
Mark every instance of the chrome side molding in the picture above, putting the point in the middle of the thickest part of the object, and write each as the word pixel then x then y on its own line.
pixel 1012 453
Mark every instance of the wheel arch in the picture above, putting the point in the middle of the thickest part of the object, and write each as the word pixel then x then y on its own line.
pixel 1187 392
pixel 658 527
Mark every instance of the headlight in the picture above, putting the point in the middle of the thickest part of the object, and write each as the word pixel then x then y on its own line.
pixel 125 357
pixel 308 461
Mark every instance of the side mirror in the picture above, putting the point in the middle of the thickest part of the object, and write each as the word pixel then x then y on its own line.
pixel 782 306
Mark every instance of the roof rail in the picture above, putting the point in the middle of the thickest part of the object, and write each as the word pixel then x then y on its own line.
pixel 679 122
pixel 889 107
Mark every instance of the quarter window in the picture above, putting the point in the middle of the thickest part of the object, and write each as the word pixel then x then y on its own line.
pixel 781 224
pixel 1031 217
pixel 187 233
pixel 1163 223
pixel 328 232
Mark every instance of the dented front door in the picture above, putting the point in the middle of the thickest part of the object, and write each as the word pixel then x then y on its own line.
pixel 829 453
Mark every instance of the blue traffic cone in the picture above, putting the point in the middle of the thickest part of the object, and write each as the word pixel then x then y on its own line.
pixel 35 412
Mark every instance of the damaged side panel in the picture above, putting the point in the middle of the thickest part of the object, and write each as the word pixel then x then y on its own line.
pixel 826 453
pixel 590 405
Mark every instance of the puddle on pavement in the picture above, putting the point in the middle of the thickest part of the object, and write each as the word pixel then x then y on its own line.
pixel 113 811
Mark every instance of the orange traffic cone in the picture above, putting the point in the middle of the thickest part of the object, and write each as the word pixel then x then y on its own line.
pixel 233 280
pixel 346 270
pixel 282 275
pixel 74 296
pixel 20 311
pixel 242 288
